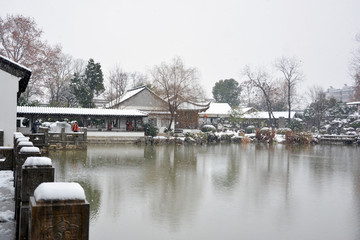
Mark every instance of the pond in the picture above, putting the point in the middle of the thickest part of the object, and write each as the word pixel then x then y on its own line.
pixel 224 191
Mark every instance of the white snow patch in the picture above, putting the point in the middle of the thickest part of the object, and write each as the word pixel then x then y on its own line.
pixel 6 179
pixel 18 134
pixel 279 138
pixel 37 161
pixel 30 150
pixel 26 143
pixel 57 126
pixel 2 159
pixel 6 216
pixel 59 191
pixel 209 126
pixel 6 148
pixel 22 139
pixel 160 137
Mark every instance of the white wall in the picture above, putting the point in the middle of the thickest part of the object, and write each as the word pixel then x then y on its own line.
pixel 8 103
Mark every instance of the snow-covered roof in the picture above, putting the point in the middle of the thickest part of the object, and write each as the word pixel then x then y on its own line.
pixel 353 103
pixel 14 63
pixel 17 70
pixel 218 109
pixel 265 115
pixel 80 111
pixel 128 94
pixel 194 106
pixel 247 109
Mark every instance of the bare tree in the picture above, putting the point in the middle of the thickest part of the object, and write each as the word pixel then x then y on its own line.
pixel 58 80
pixel 247 94
pixel 20 41
pixel 137 79
pixel 316 110
pixel 261 80
pixel 118 82
pixel 292 75
pixel 176 84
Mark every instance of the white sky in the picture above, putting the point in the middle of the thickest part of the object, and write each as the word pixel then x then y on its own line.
pixel 217 37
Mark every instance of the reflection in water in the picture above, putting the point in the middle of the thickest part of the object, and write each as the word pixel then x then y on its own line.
pixel 217 191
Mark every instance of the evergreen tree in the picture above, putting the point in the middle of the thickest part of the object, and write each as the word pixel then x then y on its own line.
pixel 86 86
pixel 94 77
pixel 227 91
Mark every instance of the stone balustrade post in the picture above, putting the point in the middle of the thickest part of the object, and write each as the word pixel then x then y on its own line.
pixel 59 211
pixel 16 136
pixel 20 158
pixel 35 171
pixel 63 136
pixel 46 137
pixel 85 134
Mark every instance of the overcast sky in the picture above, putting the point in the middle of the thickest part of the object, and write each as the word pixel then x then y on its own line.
pixel 217 37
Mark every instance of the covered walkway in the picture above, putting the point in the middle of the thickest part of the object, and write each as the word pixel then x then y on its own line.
pixel 92 118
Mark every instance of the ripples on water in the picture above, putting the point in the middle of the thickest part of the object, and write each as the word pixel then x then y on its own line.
pixel 218 191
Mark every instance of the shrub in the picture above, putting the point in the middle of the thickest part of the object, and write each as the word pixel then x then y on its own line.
pixel 355 124
pixel 250 129
pixel 150 130
pixel 208 128
pixel 301 137
pixel 296 125
pixel 265 134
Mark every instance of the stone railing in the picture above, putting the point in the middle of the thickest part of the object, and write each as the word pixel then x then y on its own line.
pixel 44 209
pixel 46 139
pixel 346 139
pixel 6 158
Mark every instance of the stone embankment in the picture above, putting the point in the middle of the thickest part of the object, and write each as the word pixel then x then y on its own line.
pixel 265 135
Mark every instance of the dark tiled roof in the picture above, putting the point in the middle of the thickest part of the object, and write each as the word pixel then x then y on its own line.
pixel 16 70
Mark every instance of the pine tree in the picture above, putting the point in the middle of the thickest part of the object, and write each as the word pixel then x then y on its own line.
pixel 86 86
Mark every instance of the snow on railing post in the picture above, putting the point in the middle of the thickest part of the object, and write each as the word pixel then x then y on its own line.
pixel 20 158
pixel 35 171
pixel 59 211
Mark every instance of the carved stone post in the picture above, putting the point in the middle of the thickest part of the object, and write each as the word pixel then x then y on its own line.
pixel 35 171
pixel 46 137
pixel 63 136
pixel 59 211
pixel 85 134
pixel 24 153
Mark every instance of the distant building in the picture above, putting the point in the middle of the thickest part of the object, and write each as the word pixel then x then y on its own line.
pixel 145 100
pixel 344 94
pixel 220 113
pixel 100 102
pixel 14 79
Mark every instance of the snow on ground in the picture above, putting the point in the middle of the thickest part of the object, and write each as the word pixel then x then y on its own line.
pixel 7 224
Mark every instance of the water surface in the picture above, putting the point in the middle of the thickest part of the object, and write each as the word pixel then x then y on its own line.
pixel 217 191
